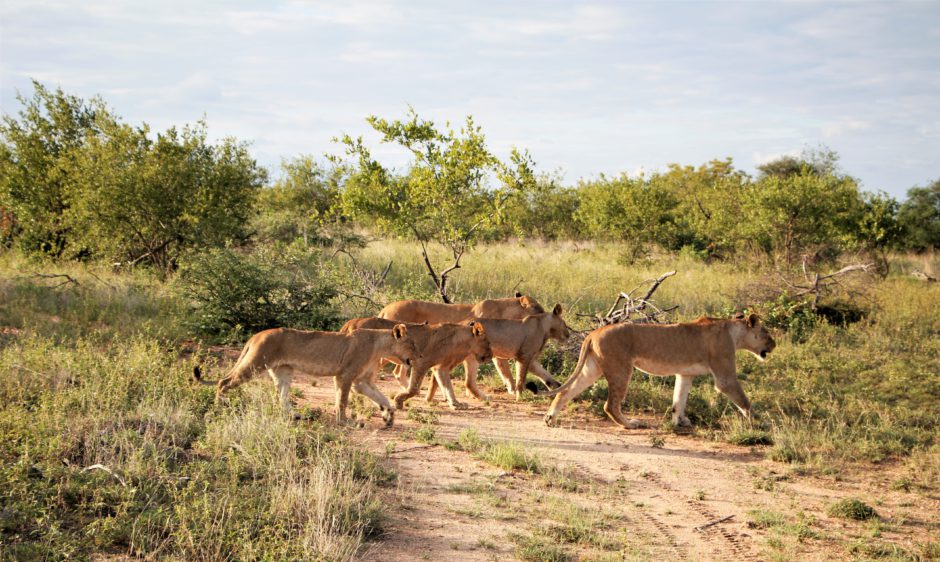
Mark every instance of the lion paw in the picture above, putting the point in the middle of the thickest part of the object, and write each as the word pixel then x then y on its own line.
pixel 458 406
pixel 550 420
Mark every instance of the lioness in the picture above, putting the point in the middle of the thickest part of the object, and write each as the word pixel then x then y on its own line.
pixel 352 359
pixel 442 347
pixel 704 346
pixel 436 312
pixel 521 340
pixel 515 308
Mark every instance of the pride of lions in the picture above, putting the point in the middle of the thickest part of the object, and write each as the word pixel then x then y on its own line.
pixel 419 336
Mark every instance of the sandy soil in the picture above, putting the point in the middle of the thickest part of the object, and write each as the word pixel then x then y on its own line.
pixel 449 505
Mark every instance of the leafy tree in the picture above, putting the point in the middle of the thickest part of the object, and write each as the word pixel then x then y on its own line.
pixel 545 211
pixel 634 210
pixel 445 196
pixel 919 216
pixel 235 293
pixel 820 161
pixel 299 204
pixel 785 215
pixel 36 150
pixel 709 199
pixel 137 199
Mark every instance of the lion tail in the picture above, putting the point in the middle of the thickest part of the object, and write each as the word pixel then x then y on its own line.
pixel 197 370
pixel 582 359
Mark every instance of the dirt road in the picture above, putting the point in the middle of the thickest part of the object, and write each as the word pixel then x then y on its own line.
pixel 643 494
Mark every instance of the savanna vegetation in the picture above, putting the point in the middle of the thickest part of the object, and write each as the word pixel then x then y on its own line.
pixel 128 253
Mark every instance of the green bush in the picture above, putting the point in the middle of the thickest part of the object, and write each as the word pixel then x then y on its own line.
pixel 851 508
pixel 234 293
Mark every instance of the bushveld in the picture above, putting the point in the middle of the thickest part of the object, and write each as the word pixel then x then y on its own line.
pixel 107 448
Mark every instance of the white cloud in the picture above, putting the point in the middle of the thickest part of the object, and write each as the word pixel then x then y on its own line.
pixel 844 126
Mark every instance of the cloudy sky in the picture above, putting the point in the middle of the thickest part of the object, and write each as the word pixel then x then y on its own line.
pixel 586 87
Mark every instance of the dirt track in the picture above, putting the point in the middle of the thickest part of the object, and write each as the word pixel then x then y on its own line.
pixel 451 506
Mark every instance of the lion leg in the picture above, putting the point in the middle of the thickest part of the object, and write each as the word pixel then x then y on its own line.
pixel 369 390
pixel 343 384
pixel 414 386
pixel 616 392
pixel 282 377
pixel 680 397
pixel 403 374
pixel 522 369
pixel 538 370
pixel 505 373
pixel 471 367
pixel 726 382
pixel 432 390
pixel 443 378
pixel 588 375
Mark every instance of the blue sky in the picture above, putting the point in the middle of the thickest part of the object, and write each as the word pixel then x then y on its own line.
pixel 586 87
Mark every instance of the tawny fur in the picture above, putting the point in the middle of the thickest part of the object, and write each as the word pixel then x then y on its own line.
pixel 521 340
pixel 705 346
pixel 442 347
pixel 351 359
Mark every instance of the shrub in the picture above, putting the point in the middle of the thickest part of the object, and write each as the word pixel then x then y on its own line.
pixel 234 293
pixel 851 508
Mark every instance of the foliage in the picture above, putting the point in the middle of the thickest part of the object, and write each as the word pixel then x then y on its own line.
pixel 635 211
pixel 80 183
pixel 919 216
pixel 444 197
pixel 36 151
pixel 137 199
pixel 546 211
pixel 235 293
pixel 176 474
pixel 299 204
pixel 851 508
pixel 787 215
pixel 709 199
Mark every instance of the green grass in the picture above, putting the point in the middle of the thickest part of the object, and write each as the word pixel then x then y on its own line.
pixel 833 395
pixel 852 508
pixel 107 449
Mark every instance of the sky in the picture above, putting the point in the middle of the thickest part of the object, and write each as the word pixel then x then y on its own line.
pixel 586 87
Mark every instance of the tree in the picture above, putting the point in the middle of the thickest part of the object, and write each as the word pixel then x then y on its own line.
pixel 36 150
pixel 299 203
pixel 141 200
pixel 445 196
pixel 545 211
pixel 636 211
pixel 820 161
pixel 784 215
pixel 709 199
pixel 919 216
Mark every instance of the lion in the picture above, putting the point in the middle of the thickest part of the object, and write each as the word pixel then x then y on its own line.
pixel 515 308
pixel 442 347
pixel 521 340
pixel 435 312
pixel 687 350
pixel 352 359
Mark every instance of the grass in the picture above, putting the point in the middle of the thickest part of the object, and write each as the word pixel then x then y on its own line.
pixel 106 449
pixel 852 508
pixel 94 371
pixel 826 397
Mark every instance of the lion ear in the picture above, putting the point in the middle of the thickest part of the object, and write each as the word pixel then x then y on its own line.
pixel 478 330
pixel 558 310
pixel 738 315
pixel 518 294
pixel 400 331
pixel 752 321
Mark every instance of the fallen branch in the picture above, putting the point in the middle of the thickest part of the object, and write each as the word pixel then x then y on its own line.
pixel 621 312
pixel 701 528
pixel 416 447
pixel 106 469
pixel 68 278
